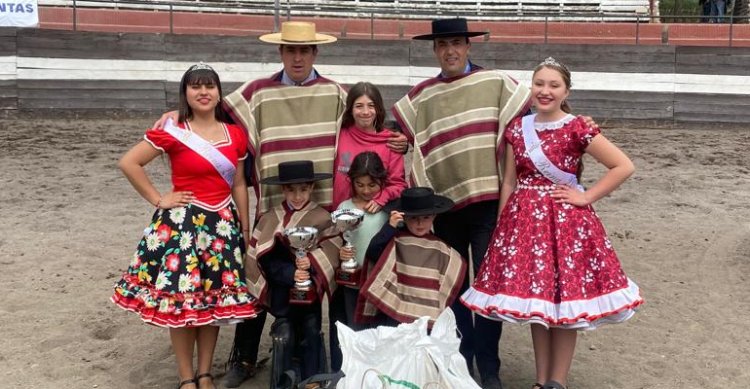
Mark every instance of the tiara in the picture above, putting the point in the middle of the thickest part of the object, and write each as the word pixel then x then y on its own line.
pixel 200 66
pixel 553 62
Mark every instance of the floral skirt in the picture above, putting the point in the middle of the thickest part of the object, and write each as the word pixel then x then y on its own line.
pixel 188 270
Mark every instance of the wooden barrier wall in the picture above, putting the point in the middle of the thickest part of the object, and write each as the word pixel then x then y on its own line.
pixel 49 71
pixel 8 85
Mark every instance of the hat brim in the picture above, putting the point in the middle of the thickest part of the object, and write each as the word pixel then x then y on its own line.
pixel 320 39
pixel 429 37
pixel 274 180
pixel 442 204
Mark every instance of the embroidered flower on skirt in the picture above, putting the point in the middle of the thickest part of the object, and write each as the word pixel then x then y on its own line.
pixel 188 270
pixel 551 263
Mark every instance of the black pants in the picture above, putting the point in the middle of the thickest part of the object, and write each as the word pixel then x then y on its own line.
pixel 471 228
pixel 299 333
pixel 247 334
pixel 247 339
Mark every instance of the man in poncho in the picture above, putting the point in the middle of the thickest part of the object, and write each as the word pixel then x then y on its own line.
pixel 455 122
pixel 293 114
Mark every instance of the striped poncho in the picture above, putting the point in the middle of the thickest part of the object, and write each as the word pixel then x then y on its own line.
pixel 456 126
pixel 287 123
pixel 324 258
pixel 414 277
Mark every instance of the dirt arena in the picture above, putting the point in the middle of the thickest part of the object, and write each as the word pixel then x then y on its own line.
pixel 70 221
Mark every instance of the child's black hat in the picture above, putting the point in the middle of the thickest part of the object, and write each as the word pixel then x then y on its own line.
pixel 419 201
pixel 295 172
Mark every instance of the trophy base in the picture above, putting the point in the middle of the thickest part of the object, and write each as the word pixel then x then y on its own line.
pixel 302 296
pixel 349 277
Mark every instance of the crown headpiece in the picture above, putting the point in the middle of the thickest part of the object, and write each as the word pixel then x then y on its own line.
pixel 200 66
pixel 553 62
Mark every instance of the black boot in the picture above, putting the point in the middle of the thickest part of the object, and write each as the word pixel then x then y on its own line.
pixel 239 372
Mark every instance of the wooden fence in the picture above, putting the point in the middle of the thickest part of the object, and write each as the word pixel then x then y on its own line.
pixel 46 71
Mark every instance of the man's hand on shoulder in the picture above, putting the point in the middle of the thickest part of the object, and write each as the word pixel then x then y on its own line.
pixel 159 124
pixel 398 142
pixel 589 121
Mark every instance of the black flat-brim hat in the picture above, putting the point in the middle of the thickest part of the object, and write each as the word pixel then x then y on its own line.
pixel 295 172
pixel 419 201
pixel 444 28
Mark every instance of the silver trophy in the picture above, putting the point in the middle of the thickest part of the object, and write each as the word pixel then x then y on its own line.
pixel 303 239
pixel 346 221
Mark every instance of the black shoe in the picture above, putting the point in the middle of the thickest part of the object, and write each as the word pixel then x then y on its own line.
pixel 239 373
pixel 491 383
pixel 553 385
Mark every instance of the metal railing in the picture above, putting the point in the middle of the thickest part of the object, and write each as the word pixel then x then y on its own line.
pixel 631 28
pixel 415 9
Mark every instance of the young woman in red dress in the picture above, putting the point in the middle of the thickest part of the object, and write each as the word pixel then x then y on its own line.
pixel 187 272
pixel 550 262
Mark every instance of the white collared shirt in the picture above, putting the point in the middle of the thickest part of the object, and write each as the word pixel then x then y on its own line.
pixel 288 81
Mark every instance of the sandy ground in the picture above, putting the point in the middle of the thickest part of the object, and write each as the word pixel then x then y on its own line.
pixel 70 221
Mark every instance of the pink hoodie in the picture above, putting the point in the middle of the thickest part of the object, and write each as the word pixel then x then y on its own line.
pixel 353 141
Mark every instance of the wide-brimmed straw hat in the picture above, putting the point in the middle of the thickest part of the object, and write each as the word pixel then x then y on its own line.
pixel 295 172
pixel 444 28
pixel 298 33
pixel 419 201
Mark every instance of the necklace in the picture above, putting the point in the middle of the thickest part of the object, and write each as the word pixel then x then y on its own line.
pixel 213 132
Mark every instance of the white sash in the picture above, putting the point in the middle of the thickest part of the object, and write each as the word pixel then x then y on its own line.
pixel 205 149
pixel 541 162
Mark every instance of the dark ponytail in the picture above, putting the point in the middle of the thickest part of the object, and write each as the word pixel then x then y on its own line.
pixel 565 106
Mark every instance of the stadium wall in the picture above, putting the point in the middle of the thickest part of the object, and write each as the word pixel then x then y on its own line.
pixel 48 72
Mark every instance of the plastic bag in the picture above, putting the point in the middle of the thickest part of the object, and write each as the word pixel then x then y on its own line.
pixel 404 357
pixel 444 352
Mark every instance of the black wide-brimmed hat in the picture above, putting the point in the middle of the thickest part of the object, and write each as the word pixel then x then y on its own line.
pixel 419 201
pixel 295 172
pixel 443 28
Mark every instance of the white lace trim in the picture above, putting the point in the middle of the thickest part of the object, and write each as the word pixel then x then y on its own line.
pixel 545 126
pixel 582 314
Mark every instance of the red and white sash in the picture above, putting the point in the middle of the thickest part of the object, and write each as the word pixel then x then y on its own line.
pixel 205 149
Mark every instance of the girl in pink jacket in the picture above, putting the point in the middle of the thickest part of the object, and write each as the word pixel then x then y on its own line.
pixel 362 130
